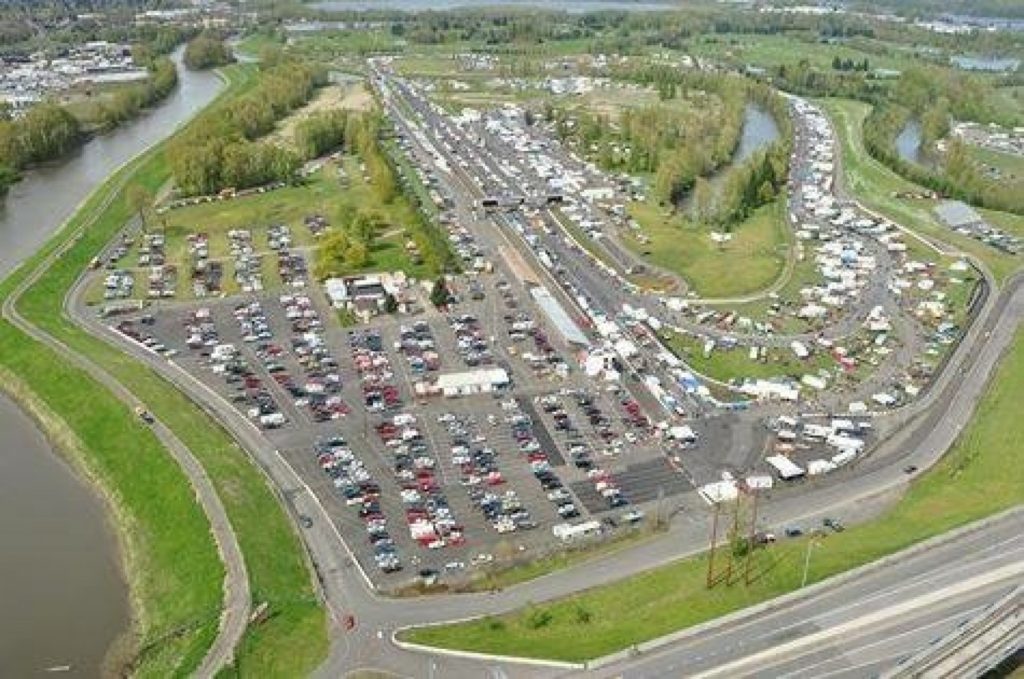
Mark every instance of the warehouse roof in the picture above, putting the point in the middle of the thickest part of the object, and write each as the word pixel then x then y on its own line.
pixel 473 378
pixel 558 316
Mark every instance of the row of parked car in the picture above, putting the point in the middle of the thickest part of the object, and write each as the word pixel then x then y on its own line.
pixel 248 264
pixel 416 342
pixel 430 518
pixel 207 275
pixel 254 327
pixel 470 340
pixel 375 372
pixel 480 475
pixel 354 483
pixel 131 330
pixel 321 389
pixel 529 447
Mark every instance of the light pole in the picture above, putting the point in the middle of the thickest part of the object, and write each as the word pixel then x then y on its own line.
pixel 807 561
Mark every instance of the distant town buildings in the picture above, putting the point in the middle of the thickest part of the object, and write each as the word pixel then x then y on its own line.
pixel 25 81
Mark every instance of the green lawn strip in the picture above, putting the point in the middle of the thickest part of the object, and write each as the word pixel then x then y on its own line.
pixel 536 566
pixel 271 548
pixel 982 474
pixel 874 185
pixel 749 263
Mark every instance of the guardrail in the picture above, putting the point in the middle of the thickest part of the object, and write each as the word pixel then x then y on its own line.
pixel 975 647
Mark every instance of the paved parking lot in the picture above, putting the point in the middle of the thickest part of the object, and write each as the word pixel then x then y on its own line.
pixel 419 484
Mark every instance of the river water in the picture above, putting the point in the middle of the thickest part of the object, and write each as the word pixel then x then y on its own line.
pixel 62 592
pixel 759 130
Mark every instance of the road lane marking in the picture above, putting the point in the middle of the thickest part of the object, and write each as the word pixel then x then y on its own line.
pixel 784 651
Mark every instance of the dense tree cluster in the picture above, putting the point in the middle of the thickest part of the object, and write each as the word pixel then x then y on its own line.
pixel 748 185
pixel 219 151
pixel 839 64
pixel 345 247
pixel 207 50
pixel 320 133
pixel 675 143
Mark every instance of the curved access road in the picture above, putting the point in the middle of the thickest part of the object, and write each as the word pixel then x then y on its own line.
pixel 237 597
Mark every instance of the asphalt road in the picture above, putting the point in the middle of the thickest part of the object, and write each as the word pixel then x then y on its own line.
pixel 859 627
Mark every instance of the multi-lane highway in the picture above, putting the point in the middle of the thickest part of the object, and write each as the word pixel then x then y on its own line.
pixel 859 627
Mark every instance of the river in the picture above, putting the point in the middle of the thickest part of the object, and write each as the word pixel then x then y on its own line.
pixel 61 587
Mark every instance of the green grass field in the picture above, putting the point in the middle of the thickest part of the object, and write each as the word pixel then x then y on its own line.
pixel 173 568
pixel 752 261
pixel 874 185
pixel 768 51
pixel 981 475
pixel 726 365
pixel 803 274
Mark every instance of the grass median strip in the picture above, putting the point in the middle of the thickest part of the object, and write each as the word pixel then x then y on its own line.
pixel 982 474
pixel 293 640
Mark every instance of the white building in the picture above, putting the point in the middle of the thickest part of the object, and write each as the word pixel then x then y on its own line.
pixel 472 382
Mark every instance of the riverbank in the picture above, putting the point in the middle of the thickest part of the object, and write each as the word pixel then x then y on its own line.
pixel 54 515
pixel 178 595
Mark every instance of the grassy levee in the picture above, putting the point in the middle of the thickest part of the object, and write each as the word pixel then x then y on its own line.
pixel 175 572
pixel 874 185
pixel 982 474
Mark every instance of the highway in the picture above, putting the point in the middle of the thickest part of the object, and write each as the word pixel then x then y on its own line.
pixel 859 627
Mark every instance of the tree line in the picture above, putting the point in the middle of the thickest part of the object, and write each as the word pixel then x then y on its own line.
pixel 221 150
pixel 123 104
pixel 45 132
